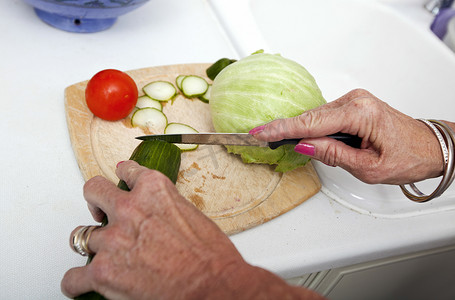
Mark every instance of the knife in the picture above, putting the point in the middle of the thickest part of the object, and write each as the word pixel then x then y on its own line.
pixel 239 139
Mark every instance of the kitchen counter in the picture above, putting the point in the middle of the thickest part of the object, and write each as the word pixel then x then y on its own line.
pixel 41 185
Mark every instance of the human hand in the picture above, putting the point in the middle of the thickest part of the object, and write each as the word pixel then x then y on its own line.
pixel 396 149
pixel 159 245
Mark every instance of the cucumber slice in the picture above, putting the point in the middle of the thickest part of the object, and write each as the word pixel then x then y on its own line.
pixel 194 86
pixel 149 118
pixel 132 112
pixel 160 90
pixel 146 101
pixel 181 128
pixel 206 97
pixel 178 81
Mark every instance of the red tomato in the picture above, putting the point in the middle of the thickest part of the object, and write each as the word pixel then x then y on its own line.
pixel 111 94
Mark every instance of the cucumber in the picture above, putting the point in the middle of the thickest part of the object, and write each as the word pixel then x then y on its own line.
pixel 150 118
pixel 178 81
pixel 160 90
pixel 181 128
pixel 146 101
pixel 155 155
pixel 193 86
pixel 219 65
pixel 206 97
pixel 135 109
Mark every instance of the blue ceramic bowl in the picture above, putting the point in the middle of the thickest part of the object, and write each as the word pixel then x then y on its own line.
pixel 82 15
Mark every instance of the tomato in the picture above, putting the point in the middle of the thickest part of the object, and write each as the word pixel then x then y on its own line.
pixel 111 94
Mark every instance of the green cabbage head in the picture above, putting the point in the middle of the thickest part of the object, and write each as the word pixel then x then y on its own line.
pixel 256 90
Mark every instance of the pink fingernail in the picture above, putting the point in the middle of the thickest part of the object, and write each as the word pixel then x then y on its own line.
pixel 305 149
pixel 119 163
pixel 257 130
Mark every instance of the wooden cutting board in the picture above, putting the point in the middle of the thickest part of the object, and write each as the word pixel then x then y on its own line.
pixel 235 195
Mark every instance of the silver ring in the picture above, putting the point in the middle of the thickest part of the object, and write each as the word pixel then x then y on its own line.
pixel 79 240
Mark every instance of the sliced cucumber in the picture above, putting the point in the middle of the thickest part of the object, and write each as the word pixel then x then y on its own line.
pixel 193 86
pixel 178 81
pixel 160 90
pixel 132 112
pixel 181 128
pixel 149 118
pixel 206 97
pixel 146 101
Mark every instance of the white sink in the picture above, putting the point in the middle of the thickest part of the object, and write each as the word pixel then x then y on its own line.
pixel 348 44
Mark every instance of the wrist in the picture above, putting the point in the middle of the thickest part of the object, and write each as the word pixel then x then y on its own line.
pixel 446 138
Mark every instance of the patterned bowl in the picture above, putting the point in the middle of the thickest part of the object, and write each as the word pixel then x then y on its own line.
pixel 82 15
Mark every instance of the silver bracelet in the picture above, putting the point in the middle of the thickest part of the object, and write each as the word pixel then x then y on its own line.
pixel 451 135
pixel 446 138
pixel 445 152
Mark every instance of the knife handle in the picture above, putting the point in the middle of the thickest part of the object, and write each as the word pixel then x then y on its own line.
pixel 350 140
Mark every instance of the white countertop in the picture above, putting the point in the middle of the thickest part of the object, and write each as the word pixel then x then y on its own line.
pixel 41 186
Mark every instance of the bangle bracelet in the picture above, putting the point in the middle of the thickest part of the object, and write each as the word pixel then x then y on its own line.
pixel 445 136
pixel 451 135
pixel 441 139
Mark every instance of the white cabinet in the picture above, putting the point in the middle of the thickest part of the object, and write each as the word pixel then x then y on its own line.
pixel 423 275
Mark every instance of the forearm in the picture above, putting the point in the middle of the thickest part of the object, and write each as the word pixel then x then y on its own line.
pixel 249 282
pixel 270 286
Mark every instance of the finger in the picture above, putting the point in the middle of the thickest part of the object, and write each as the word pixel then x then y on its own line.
pixel 342 115
pixel 348 115
pixel 100 195
pixel 94 241
pixel 129 171
pixel 349 96
pixel 344 99
pixel 314 123
pixel 97 213
pixel 75 282
pixel 328 152
pixel 333 117
pixel 334 153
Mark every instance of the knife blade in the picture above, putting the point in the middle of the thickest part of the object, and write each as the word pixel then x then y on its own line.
pixel 239 139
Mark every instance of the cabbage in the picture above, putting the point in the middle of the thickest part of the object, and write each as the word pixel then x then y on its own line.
pixel 256 90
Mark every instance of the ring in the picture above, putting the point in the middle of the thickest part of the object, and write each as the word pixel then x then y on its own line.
pixel 79 241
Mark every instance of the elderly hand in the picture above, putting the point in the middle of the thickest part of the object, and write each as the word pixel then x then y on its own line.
pixel 396 149
pixel 158 245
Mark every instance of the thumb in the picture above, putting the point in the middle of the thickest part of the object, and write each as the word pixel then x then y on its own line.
pixel 335 153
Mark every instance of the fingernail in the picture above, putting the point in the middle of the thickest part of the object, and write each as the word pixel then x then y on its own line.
pixel 305 149
pixel 257 130
pixel 119 163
